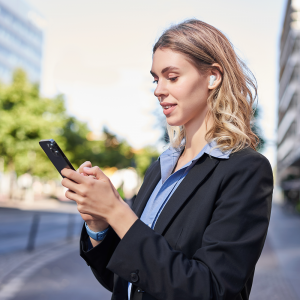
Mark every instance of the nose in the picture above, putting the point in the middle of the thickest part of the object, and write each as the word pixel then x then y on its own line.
pixel 161 91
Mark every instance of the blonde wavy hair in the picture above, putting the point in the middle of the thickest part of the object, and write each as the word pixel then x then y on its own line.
pixel 231 103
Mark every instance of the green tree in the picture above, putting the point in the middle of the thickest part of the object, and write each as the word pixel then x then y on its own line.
pixel 144 157
pixel 25 119
pixel 111 151
pixel 114 152
pixel 76 146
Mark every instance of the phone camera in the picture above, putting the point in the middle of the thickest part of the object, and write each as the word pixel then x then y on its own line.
pixel 53 149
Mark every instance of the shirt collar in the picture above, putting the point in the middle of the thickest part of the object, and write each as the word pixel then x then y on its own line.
pixel 168 158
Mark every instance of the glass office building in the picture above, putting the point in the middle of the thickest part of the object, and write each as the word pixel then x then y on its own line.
pixel 288 131
pixel 21 40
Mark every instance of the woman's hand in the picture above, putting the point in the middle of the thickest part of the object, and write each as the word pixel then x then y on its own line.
pixel 98 198
pixel 93 223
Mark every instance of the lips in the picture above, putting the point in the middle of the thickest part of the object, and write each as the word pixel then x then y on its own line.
pixel 168 107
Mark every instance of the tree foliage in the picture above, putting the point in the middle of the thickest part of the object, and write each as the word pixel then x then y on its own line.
pixel 26 118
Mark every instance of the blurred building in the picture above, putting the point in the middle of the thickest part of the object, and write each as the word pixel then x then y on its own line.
pixel 21 40
pixel 288 132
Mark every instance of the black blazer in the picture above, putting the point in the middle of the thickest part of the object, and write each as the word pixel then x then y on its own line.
pixel 206 241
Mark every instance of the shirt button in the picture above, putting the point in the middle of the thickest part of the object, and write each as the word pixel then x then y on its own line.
pixel 134 277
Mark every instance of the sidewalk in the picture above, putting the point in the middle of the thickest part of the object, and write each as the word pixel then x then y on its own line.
pixel 56 273
pixel 49 205
pixel 277 275
pixel 13 264
pixel 46 272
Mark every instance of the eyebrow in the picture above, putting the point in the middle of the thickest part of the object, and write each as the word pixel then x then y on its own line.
pixel 167 69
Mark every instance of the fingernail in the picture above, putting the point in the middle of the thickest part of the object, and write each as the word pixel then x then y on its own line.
pixel 86 168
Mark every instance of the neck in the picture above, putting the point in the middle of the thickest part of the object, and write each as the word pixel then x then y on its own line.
pixel 195 131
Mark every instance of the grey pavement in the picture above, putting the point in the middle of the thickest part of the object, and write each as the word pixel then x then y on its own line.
pixel 277 274
pixel 56 271
pixel 65 278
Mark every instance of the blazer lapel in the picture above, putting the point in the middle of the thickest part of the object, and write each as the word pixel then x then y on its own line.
pixel 204 166
pixel 147 189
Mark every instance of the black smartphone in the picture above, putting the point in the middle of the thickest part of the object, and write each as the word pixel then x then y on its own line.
pixel 56 155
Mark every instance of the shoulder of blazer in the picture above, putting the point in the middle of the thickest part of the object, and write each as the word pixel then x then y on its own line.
pixel 246 158
pixel 247 154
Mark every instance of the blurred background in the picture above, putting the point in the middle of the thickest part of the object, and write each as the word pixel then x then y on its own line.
pixel 78 72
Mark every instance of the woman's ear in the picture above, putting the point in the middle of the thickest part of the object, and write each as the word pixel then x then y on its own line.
pixel 215 76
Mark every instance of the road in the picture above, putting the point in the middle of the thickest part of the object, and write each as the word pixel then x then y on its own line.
pixel 15 227
pixel 65 278
pixel 55 270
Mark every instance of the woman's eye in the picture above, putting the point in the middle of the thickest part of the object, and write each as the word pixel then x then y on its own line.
pixel 155 81
pixel 173 78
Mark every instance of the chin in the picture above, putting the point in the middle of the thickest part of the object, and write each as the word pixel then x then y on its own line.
pixel 174 122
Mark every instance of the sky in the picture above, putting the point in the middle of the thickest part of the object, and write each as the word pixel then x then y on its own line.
pixel 99 54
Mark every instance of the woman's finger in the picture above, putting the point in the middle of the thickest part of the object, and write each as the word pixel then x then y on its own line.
pixel 73 175
pixel 95 171
pixel 85 164
pixel 71 185
pixel 73 196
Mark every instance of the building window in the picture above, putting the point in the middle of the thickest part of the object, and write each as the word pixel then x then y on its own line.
pixel 292 105
pixel 290 132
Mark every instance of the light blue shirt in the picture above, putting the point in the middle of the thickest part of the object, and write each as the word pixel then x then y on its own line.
pixel 169 182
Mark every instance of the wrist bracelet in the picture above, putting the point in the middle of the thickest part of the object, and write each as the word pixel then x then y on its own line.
pixel 97 236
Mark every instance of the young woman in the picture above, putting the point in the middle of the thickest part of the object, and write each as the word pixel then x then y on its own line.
pixel 198 224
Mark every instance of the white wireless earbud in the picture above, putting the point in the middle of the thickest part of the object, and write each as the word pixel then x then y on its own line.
pixel 212 79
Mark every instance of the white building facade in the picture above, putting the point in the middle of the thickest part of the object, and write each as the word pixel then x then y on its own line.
pixel 21 40
pixel 288 131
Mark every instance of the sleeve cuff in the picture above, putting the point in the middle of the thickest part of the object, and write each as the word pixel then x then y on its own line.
pixel 101 253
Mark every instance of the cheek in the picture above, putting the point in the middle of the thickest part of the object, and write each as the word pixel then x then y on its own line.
pixel 191 96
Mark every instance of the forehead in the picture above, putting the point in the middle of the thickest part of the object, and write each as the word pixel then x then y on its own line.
pixel 163 58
